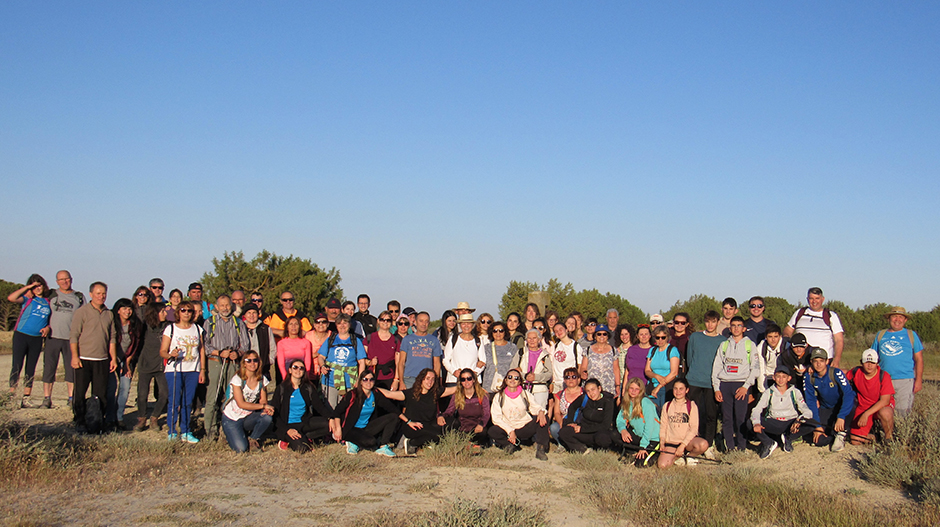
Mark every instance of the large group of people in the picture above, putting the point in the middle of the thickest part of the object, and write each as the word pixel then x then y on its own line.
pixel 654 392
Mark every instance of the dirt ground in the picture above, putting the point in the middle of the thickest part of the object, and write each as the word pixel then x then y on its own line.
pixel 227 488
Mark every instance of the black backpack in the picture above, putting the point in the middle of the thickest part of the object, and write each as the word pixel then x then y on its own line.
pixel 94 416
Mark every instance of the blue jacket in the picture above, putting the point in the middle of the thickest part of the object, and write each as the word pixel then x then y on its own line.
pixel 837 395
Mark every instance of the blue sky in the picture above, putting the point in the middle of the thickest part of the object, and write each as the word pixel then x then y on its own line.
pixel 432 152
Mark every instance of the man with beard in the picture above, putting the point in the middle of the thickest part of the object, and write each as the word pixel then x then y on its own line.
pixel 226 341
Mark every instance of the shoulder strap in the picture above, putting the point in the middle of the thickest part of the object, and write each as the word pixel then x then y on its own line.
pixel 799 314
pixel 493 351
pixel 910 336
pixel 81 298
pixel 688 407
pixel 832 375
pixel 880 335
pixel 796 407
pixel 827 317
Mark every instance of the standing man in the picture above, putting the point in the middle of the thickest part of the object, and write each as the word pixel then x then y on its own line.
pixel 63 301
pixel 277 319
pixel 735 370
pixel 238 302
pixel 755 327
pixel 156 287
pixel 226 341
pixel 613 320
pixel 260 338
pixel 900 353
pixel 821 327
pixel 333 309
pixel 367 321
pixel 258 300
pixel 92 341
pixel 700 357
pixel 418 351
pixel 195 296
pixel 729 308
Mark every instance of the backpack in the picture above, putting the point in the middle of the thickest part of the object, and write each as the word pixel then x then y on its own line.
pixel 353 338
pixel 476 340
pixel 826 316
pixel 747 347
pixel 94 416
pixel 857 369
pixel 235 320
pixel 881 334
pixel 688 406
pixel 796 407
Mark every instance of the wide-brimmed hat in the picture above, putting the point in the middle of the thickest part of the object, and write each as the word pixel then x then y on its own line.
pixel 463 305
pixel 898 310
pixel 465 317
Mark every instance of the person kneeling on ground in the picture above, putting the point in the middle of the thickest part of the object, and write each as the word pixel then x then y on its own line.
pixel 786 414
pixel 678 428
pixel 366 418
pixel 420 414
pixel 875 390
pixel 516 416
pixel 589 419
pixel 637 423
pixel 831 398
pixel 301 415
pixel 247 409
pixel 471 406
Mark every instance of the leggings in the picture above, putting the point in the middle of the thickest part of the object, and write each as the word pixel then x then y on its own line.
pixel 580 441
pixel 143 389
pixel 378 432
pixel 531 430
pixel 25 348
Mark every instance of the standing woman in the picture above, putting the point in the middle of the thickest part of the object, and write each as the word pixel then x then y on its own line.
pixel 678 427
pixel 142 296
pixel 176 296
pixel 551 318
pixel 516 416
pixel 150 366
pixel 381 349
pixel 482 330
pixel 247 410
pixel 317 336
pixel 183 347
pixel 600 362
pixel 637 422
pixel 301 415
pixel 662 365
pixel 471 406
pixel 402 327
pixel 127 330
pixel 535 361
pixel 448 323
pixel 31 327
pixel 564 355
pixel 587 339
pixel 626 338
pixel 420 414
pixel 357 418
pixel 293 346
pixel 513 327
pixel 500 354
pixel 531 313
pixel 635 363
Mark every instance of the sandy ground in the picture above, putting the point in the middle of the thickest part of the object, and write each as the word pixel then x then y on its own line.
pixel 229 491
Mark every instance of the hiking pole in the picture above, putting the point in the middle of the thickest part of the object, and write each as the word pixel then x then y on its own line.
pixel 216 406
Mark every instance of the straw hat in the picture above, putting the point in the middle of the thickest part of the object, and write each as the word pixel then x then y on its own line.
pixel 465 317
pixel 463 305
pixel 898 310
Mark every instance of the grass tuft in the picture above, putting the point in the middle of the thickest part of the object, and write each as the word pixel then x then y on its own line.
pixel 461 513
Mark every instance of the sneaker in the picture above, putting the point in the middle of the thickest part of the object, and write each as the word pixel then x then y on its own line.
pixel 352 448
pixel 27 403
pixel 46 402
pixel 172 437
pixel 253 445
pixel 766 450
pixel 839 442
pixel 384 450
pixel 587 451
pixel 282 445
pixel 711 453
pixel 691 462
pixel 679 462
pixel 510 449
pixel 787 445
pixel 189 438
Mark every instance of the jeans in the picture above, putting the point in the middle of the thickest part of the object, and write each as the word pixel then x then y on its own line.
pixel 181 388
pixel 117 402
pixel 255 423
pixel 733 416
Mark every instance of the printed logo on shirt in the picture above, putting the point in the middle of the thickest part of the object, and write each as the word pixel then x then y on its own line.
pixel 561 355
pixel 891 347
pixel 731 369
pixel 679 419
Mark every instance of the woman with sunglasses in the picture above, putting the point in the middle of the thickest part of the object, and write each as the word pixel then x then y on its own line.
pixel 150 366
pixel 679 427
pixel 127 331
pixel 293 346
pixel 600 362
pixel 471 407
pixel 381 350
pixel 247 410
pixel 317 336
pixel 535 360
pixel 500 354
pixel 637 423
pixel 420 414
pixel 366 418
pixel 448 323
pixel 402 328
pixel 587 339
pixel 563 399
pixel 513 333
pixel 31 327
pixel 635 361
pixel 517 417
pixel 565 354
pixel 662 365
pixel 175 297
pixel 482 329
pixel 682 328
pixel 302 418
pixel 182 347
pixel 142 296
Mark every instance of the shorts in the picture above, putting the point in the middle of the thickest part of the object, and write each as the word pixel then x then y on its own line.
pixel 863 431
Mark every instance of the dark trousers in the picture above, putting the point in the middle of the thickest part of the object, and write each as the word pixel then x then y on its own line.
pixel 25 348
pixel 580 441
pixel 315 429
pixel 378 432
pixel 93 373
pixel 143 389
pixel 828 418
pixel 532 430
pixel 50 360
pixel 631 448
pixel 776 427
pixel 429 434
pixel 733 416
pixel 704 399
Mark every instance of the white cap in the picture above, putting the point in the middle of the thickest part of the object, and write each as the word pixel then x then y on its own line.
pixel 869 355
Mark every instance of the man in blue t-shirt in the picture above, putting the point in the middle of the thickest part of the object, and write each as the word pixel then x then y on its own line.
pixel 417 352
pixel 900 354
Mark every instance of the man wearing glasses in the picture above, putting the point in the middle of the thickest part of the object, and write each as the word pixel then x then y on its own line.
pixel 226 341
pixel 277 319
pixel 156 287
pixel 821 327
pixel 367 321
pixel 258 300
pixel 755 327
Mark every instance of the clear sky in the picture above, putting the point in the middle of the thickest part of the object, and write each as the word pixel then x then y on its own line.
pixel 434 151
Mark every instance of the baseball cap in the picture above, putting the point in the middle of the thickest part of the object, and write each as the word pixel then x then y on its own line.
pixel 409 311
pixel 783 369
pixel 819 353
pixel 798 339
pixel 869 355
pixel 332 304
pixel 656 317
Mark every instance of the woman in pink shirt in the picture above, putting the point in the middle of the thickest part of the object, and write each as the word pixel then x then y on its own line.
pixel 293 346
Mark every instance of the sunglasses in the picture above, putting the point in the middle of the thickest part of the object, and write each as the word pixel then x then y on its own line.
pixel 321 321
pixel 499 331
pixel 680 322
pixel 540 328
pixel 160 287
pixel 187 311
pixel 385 320
pixel 513 377
pixel 486 322
pixel 404 323
pixel 257 300
pixel 571 377
pixel 602 334
pixel 369 379
pixel 138 294
pixel 297 367
pixel 251 361
pixel 661 338
pixel 756 306
pixel 394 310
pixel 466 379
pixel 287 300
pixel 592 324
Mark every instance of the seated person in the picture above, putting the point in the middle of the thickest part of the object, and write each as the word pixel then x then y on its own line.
pixel 469 409
pixel 875 399
pixel 831 398
pixel 301 415
pixel 421 411
pixel 589 419
pixel 678 428
pixel 516 416
pixel 637 423
pixel 247 410
pixel 563 399
pixel 365 418
pixel 780 411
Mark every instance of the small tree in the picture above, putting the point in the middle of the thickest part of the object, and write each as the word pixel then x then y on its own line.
pixel 9 311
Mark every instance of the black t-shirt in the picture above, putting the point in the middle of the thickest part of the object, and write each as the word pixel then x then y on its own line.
pixel 423 409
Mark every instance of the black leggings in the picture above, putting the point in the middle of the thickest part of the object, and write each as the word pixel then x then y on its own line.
pixel 25 348
pixel 316 428
pixel 580 441
pixel 378 432
pixel 532 430
pixel 143 391
pixel 429 434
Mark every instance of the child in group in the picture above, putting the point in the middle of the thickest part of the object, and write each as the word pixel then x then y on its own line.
pixel 781 411
pixel 678 428
pixel 875 399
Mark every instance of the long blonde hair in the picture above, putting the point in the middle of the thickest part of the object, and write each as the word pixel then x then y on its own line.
pixel 636 403
pixel 460 400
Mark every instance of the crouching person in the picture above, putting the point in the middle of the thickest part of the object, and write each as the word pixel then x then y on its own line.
pixel 589 419
pixel 637 424
pixel 302 418
pixel 781 411
pixel 516 416
pixel 831 398
pixel 875 391
pixel 247 410
pixel 365 418
pixel 678 428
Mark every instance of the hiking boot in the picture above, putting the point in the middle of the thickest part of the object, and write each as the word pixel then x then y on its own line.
pixel 767 449
pixel 352 448
pixel 26 403
pixel 838 443
pixel 141 424
pixel 787 444
pixel 282 445
pixel 189 438
pixel 46 402
pixel 253 445
pixel 510 449
pixel 154 424
pixel 385 450
pixel 540 453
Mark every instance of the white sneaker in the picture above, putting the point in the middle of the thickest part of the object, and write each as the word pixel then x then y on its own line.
pixel 680 462
pixel 711 453
pixel 691 462
pixel 838 443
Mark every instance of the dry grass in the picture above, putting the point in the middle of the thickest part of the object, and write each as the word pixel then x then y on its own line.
pixel 460 513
